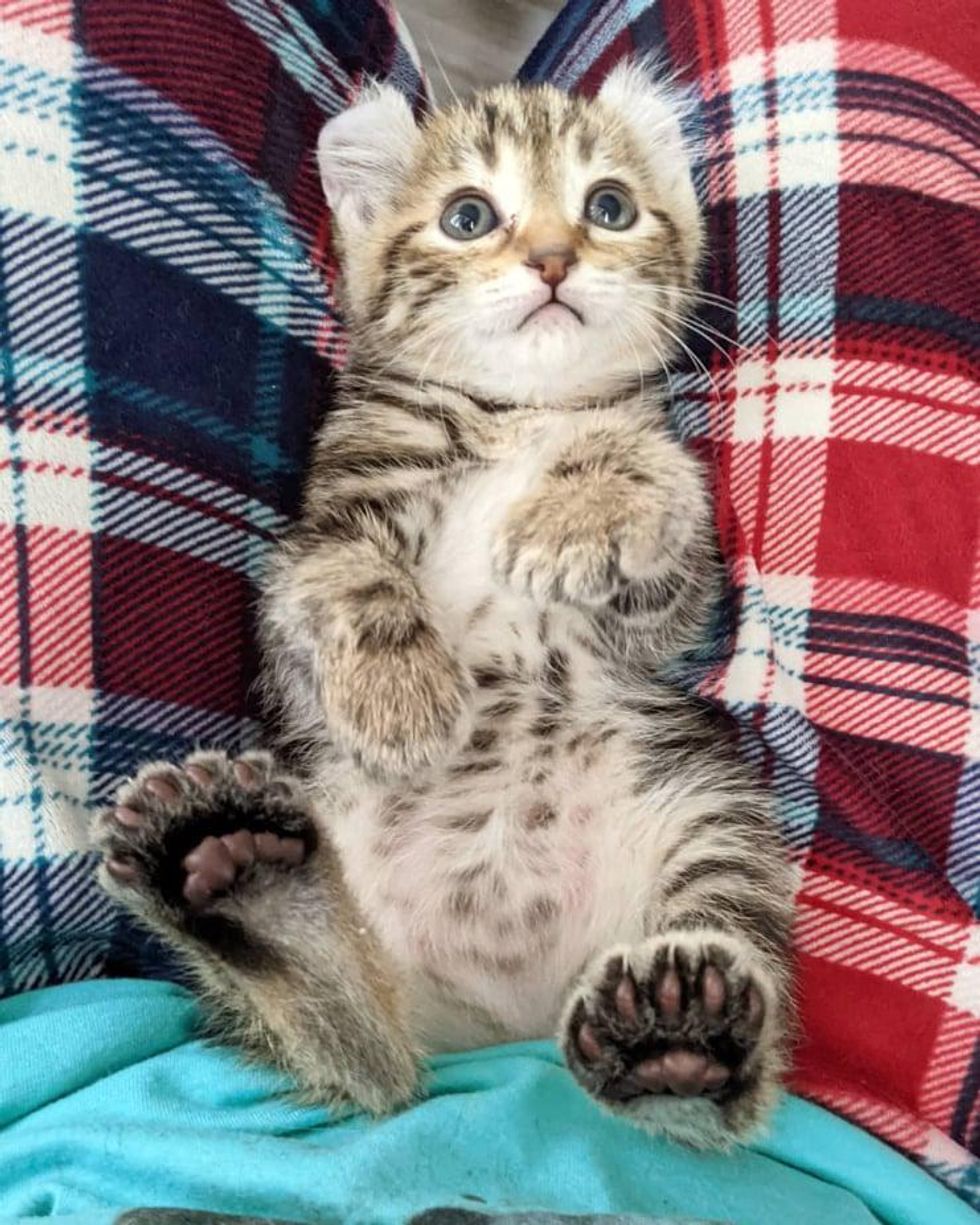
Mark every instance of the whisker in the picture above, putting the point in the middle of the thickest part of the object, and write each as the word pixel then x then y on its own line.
pixel 705 330
pixel 716 299
pixel 722 303
pixel 700 295
pixel 445 76
pixel 708 333
pixel 637 315
pixel 636 356
pixel 695 360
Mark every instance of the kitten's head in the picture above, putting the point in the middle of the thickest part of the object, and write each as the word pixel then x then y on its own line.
pixel 528 245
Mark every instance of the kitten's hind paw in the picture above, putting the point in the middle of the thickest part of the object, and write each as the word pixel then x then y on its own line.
pixel 181 838
pixel 678 1033
pixel 222 857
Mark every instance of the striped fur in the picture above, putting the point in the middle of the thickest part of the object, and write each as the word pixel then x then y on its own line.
pixel 498 549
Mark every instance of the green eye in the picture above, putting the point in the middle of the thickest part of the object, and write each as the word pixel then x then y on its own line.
pixel 468 217
pixel 610 207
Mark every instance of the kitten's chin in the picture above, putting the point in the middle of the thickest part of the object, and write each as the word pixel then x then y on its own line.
pixel 554 359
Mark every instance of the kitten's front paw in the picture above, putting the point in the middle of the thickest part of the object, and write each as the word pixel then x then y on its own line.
pixel 578 547
pixel 182 837
pixel 397 710
pixel 674 1034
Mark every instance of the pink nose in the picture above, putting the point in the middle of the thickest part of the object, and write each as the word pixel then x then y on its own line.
pixel 552 263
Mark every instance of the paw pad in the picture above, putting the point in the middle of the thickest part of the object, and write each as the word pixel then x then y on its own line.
pixel 684 1024
pixel 190 833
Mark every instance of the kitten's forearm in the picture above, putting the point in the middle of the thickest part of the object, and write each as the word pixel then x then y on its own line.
pixel 347 565
pixel 344 608
pixel 617 523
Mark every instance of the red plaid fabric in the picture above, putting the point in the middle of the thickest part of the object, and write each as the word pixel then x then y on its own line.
pixel 839 167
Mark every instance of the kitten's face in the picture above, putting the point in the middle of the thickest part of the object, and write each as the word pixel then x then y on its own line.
pixel 529 246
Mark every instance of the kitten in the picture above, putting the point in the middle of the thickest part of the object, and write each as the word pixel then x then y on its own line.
pixel 499 823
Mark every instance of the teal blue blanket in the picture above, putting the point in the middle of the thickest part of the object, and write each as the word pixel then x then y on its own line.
pixel 108 1101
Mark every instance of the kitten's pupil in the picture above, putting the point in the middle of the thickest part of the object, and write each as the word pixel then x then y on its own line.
pixel 608 208
pixel 467 218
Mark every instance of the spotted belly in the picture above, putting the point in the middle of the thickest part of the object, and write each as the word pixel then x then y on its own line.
pixel 493 897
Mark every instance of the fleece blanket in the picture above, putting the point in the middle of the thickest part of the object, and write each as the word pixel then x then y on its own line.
pixel 168 335
pixel 110 1105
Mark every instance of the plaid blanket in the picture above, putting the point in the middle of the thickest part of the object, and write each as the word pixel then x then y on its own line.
pixel 167 337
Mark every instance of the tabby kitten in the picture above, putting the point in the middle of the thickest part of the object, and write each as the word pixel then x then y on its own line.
pixel 498 822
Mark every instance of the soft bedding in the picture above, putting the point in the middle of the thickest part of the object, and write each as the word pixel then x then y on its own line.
pixel 167 336
pixel 113 1105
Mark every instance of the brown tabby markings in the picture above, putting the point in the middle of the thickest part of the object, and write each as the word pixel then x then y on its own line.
pixel 540 815
pixel 470 822
pixel 426 682
pixel 483 738
pixel 479 765
pixel 479 612
pixel 463 903
pixel 541 912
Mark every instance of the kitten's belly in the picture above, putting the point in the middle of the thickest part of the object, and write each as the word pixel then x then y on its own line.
pixel 495 905
pixel 494 881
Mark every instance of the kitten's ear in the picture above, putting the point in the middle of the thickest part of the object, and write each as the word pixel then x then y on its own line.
pixel 363 153
pixel 652 107
pixel 654 110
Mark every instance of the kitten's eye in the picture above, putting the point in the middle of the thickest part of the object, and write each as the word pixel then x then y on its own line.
pixel 610 207
pixel 468 217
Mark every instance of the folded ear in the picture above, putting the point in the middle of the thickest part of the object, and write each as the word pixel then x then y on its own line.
pixel 654 110
pixel 364 152
pixel 652 107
